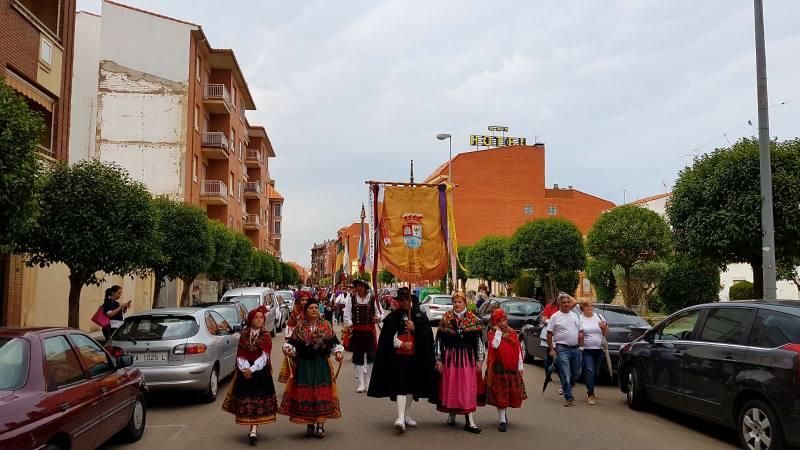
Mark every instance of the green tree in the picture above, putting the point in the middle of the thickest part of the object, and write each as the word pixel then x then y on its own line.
pixel 715 209
pixel 93 218
pixel 629 235
pixel 386 277
pixel 289 275
pixel 567 281
pixel 788 271
pixel 548 246
pixel 177 256
pixel 525 285
pixel 19 134
pixel 463 254
pixel 489 259
pixel 601 273
pixel 688 282
pixel 241 257
pixel 644 279
pixel 742 290
pixel 325 282
pixel 262 269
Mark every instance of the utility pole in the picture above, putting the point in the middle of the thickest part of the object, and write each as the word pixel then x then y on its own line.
pixel 767 222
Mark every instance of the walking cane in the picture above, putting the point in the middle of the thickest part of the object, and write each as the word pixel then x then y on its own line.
pixel 338 369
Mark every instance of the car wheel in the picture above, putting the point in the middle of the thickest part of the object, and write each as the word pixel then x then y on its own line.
pixel 635 397
pixel 210 393
pixel 759 427
pixel 134 430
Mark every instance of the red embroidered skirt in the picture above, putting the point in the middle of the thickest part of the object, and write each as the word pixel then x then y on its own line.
pixel 505 388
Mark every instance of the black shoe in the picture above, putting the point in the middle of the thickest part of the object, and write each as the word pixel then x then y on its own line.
pixel 310 431
pixel 451 420
pixel 502 427
pixel 472 429
pixel 253 439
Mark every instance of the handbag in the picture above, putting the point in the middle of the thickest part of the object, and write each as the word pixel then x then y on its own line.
pixel 346 338
pixel 101 319
pixel 406 338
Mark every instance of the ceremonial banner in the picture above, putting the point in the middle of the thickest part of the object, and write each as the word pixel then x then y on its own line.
pixel 413 244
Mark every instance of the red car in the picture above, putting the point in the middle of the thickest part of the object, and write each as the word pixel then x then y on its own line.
pixel 60 389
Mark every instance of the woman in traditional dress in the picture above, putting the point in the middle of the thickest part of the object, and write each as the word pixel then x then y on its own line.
pixel 404 363
pixel 251 397
pixel 295 317
pixel 459 354
pixel 504 365
pixel 311 397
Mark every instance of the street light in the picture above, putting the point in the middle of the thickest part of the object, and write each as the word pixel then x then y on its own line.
pixel 441 137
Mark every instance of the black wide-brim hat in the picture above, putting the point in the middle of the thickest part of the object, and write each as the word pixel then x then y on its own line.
pixel 358 281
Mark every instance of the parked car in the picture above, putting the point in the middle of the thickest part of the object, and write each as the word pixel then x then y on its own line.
pixel 435 306
pixel 253 297
pixel 234 313
pixel 179 348
pixel 287 297
pixel 733 363
pixel 423 292
pixel 520 311
pixel 624 325
pixel 59 389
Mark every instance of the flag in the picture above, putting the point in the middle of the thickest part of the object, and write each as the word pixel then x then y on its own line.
pixel 346 267
pixel 413 243
pixel 337 268
pixel 362 255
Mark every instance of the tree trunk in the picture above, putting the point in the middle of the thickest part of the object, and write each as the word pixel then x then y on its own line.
pixel 758 280
pixel 156 291
pixel 628 293
pixel 75 286
pixel 187 290
pixel 549 288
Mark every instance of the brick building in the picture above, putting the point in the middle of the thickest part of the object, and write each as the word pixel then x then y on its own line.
pixel 503 188
pixel 321 265
pixel 36 54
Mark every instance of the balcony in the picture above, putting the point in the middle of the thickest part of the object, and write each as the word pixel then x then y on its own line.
pixel 252 189
pixel 252 157
pixel 252 222
pixel 216 99
pixel 215 145
pixel 214 192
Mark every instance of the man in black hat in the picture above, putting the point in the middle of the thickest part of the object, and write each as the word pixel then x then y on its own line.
pixel 361 313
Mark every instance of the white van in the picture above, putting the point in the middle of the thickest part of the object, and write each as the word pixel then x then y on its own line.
pixel 253 297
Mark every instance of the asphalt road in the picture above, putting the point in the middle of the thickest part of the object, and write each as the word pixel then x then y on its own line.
pixel 176 421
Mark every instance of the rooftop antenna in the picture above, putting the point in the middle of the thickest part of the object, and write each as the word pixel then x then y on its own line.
pixel 412 171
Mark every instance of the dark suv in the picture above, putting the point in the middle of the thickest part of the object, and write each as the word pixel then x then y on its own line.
pixel 734 363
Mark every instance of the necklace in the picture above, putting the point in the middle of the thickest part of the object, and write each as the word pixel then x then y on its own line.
pixel 253 337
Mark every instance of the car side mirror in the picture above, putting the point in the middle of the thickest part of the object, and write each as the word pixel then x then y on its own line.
pixel 124 361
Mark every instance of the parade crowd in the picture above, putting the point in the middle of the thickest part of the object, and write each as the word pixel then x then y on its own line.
pixel 403 361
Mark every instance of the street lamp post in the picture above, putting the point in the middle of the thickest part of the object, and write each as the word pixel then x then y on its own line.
pixel 449 137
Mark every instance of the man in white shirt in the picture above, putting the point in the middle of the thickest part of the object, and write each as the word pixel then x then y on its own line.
pixel 361 312
pixel 564 341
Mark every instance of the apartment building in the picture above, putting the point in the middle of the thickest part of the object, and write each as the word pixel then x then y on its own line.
pixel 36 53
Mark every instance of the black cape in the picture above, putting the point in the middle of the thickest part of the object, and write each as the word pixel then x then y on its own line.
pixel 389 369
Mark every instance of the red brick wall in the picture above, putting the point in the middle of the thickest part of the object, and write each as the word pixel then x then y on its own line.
pixel 19 50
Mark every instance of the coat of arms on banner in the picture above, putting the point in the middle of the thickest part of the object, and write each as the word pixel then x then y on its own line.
pixel 412 230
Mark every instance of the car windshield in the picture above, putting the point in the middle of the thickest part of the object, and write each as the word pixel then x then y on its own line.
pixel 442 300
pixel 229 313
pixel 250 302
pixel 621 317
pixel 157 328
pixel 13 363
pixel 285 295
pixel 521 308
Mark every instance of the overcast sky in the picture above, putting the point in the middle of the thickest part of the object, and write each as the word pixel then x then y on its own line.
pixel 620 91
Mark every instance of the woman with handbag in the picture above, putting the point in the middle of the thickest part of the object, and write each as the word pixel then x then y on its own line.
pixel 459 354
pixel 112 309
pixel 595 328
pixel 404 367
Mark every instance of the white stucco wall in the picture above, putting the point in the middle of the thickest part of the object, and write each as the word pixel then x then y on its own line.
pixel 146 42
pixel 84 87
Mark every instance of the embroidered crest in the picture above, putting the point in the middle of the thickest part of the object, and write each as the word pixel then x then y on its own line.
pixel 412 230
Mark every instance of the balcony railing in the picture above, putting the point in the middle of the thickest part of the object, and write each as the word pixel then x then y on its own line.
pixel 252 157
pixel 215 91
pixel 213 188
pixel 252 187
pixel 215 139
pixel 252 219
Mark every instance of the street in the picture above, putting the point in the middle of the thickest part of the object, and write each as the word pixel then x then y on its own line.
pixel 177 421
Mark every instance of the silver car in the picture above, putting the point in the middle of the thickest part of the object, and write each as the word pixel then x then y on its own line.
pixel 435 306
pixel 179 348
pixel 253 297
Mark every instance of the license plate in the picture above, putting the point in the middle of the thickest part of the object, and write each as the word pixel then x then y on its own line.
pixel 147 357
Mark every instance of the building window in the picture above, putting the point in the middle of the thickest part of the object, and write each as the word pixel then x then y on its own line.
pixel 241 150
pixel 46 52
pixel 197 67
pixel 239 192
pixel 233 95
pixel 527 210
pixel 194 168
pixel 277 227
pixel 230 184
pixel 552 210
pixel 196 118
pixel 278 244
pixel 276 210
